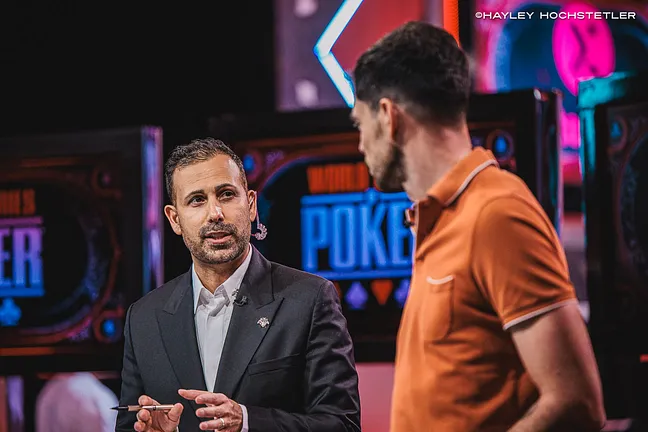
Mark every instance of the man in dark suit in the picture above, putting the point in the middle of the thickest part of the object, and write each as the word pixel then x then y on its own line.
pixel 238 343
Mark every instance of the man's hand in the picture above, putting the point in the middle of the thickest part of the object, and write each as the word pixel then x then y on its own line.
pixel 224 414
pixel 157 421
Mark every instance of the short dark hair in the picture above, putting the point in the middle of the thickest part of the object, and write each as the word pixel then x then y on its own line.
pixel 198 150
pixel 420 66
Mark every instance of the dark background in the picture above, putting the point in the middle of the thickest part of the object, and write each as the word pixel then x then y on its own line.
pixel 71 66
pixel 68 66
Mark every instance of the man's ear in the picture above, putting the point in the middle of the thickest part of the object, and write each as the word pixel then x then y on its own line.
pixel 388 116
pixel 172 215
pixel 252 203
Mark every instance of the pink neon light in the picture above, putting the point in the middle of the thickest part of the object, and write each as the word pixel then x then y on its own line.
pixel 570 138
pixel 565 45
pixel 583 48
pixel 569 129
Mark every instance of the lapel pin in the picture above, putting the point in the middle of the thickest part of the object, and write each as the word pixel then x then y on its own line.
pixel 263 322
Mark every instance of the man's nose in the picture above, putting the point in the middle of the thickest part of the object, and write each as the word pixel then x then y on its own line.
pixel 215 212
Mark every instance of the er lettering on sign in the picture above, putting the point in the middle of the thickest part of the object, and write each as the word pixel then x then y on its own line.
pixel 21 266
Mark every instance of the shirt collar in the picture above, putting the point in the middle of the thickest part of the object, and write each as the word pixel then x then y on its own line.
pixel 454 182
pixel 231 285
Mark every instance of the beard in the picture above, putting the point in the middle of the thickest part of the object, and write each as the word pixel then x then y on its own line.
pixel 393 174
pixel 221 253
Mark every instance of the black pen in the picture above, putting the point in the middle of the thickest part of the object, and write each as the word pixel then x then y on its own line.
pixel 143 407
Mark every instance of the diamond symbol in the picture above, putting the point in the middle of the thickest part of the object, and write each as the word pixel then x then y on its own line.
pixel 381 289
pixel 401 292
pixel 356 297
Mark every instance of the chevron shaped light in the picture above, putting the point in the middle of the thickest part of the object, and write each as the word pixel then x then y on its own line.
pixel 324 46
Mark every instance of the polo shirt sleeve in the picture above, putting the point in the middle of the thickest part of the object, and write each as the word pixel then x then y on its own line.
pixel 518 261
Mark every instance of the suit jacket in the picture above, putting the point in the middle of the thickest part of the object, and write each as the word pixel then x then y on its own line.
pixel 295 374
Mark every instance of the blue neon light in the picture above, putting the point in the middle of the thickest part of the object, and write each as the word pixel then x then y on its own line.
pixel 368 274
pixel 343 222
pixel 356 236
pixel 10 313
pixel 248 163
pixel 109 328
pixel 323 49
pixel 501 145
pixel 615 131
pixel 370 195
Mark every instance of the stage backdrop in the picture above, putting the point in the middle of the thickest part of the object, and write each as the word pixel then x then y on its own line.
pixel 318 42
pixel 80 240
pixel 557 53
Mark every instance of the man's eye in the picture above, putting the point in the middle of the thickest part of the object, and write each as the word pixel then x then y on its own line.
pixel 195 200
pixel 227 194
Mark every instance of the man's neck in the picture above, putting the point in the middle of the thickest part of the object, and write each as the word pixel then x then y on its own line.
pixel 213 275
pixel 430 154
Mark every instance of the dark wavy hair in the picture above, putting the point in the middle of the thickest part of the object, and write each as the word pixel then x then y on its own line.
pixel 420 66
pixel 198 150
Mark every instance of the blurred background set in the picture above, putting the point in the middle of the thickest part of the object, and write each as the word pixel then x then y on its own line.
pixel 94 98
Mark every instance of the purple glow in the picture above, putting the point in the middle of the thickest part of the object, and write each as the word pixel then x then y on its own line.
pixel 357 296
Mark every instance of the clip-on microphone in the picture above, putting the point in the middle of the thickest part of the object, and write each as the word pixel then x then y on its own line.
pixel 241 301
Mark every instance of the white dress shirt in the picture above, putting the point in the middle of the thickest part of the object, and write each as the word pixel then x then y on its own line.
pixel 212 315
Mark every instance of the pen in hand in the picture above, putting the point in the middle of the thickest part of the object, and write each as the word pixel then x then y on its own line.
pixel 131 408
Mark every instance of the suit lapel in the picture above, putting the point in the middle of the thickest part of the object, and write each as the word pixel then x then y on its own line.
pixel 248 326
pixel 176 322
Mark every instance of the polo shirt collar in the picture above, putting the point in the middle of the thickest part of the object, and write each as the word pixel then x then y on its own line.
pixel 454 182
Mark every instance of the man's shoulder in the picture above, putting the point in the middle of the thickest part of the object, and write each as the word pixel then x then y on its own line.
pixel 291 282
pixel 499 191
pixel 161 294
pixel 508 208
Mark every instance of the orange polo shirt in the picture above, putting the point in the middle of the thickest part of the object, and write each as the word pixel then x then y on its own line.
pixel 487 258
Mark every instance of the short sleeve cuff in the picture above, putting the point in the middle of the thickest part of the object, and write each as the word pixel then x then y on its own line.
pixel 525 315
